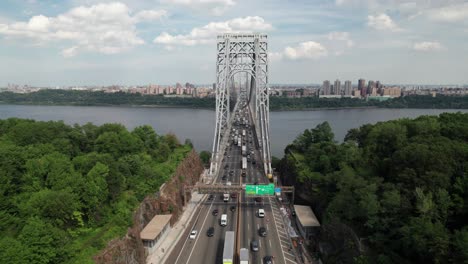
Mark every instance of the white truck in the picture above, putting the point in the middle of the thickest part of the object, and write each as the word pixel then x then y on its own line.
pixel 244 163
pixel 244 150
pixel 228 252
pixel 244 256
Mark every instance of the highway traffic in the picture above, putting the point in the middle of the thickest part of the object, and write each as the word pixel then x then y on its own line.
pixel 218 214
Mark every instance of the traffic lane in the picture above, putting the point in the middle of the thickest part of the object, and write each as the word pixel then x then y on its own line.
pixel 210 249
pixel 203 243
pixel 181 244
pixel 254 225
pixel 188 244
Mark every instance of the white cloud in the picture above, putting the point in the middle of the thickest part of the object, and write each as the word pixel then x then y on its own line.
pixel 70 52
pixel 452 13
pixel 208 33
pixel 382 22
pixel 306 50
pixel 150 15
pixel 216 7
pixel 105 28
pixel 427 46
pixel 341 36
pixel 275 56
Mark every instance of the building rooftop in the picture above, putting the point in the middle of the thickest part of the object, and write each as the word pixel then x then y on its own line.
pixel 306 216
pixel 154 227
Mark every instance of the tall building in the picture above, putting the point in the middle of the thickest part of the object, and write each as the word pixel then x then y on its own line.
pixel 337 87
pixel 370 87
pixel 378 85
pixel 347 88
pixel 361 84
pixel 362 87
pixel 326 87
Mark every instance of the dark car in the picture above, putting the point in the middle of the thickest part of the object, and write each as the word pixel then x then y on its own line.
pixel 233 195
pixel 258 199
pixel 233 208
pixel 254 162
pixel 256 183
pixel 215 212
pixel 210 197
pixel 210 232
pixel 224 177
pixel 254 245
pixel 262 231
pixel 293 213
pixel 268 260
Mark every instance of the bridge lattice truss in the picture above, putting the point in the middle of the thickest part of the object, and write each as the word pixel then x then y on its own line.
pixel 242 53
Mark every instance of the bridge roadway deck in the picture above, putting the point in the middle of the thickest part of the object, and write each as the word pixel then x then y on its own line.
pixel 207 250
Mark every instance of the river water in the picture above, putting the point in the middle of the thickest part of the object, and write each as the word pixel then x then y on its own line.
pixel 198 125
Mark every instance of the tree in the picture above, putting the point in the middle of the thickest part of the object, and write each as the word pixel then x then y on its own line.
pixel 460 246
pixel 57 207
pixel 45 243
pixel 95 191
pixel 205 156
pixel 13 251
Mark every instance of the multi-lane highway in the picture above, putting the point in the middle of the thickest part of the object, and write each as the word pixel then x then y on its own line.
pixel 209 249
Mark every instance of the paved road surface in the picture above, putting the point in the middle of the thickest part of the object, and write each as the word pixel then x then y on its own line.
pixel 208 250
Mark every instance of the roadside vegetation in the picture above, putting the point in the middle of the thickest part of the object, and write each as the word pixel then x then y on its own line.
pixel 65 191
pixel 393 192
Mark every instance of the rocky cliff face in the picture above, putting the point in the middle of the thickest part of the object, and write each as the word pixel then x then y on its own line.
pixel 169 200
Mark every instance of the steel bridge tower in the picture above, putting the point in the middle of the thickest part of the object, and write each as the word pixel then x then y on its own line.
pixel 246 54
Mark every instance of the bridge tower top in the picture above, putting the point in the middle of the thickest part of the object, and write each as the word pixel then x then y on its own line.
pixel 242 53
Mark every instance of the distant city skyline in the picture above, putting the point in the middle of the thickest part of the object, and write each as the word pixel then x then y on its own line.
pixel 137 42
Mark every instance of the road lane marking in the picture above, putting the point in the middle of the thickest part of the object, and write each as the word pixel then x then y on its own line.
pixel 186 239
pixel 290 260
pixel 199 234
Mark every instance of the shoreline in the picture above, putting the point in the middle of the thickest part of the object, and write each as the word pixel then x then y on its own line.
pixel 212 109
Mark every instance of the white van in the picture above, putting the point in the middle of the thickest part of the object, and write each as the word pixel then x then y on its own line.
pixel 226 197
pixel 261 213
pixel 223 220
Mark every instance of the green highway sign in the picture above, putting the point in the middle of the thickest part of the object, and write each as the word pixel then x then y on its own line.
pixel 260 189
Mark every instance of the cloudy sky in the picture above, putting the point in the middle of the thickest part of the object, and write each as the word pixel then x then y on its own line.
pixel 99 42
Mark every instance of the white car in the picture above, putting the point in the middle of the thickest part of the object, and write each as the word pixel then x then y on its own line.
pixel 193 234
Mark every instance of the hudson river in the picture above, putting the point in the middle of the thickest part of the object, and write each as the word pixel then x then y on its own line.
pixel 198 125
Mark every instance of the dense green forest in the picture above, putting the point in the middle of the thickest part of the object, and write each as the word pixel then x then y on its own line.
pixel 68 97
pixel 400 186
pixel 65 191
pixel 414 101
pixel 86 98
